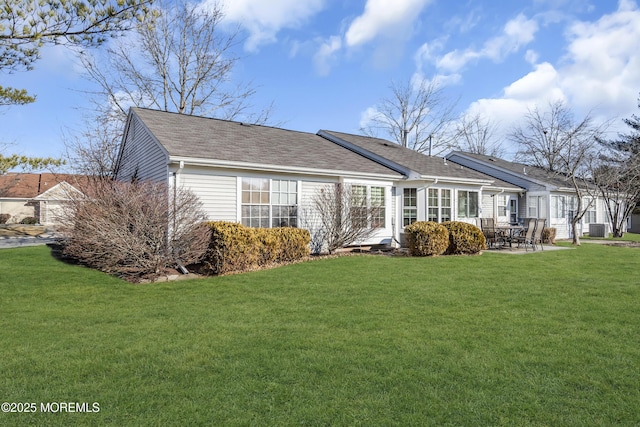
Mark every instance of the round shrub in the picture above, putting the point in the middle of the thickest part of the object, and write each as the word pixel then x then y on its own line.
pixel 29 220
pixel 427 238
pixel 464 238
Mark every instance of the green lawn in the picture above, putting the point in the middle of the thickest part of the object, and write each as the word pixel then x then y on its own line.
pixel 545 339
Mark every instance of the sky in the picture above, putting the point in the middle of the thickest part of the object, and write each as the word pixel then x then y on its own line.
pixel 325 64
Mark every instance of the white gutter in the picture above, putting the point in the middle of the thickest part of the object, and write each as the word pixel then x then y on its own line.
pixel 277 168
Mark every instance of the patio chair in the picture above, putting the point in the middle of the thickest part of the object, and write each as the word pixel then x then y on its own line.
pixel 526 238
pixel 537 235
pixel 492 236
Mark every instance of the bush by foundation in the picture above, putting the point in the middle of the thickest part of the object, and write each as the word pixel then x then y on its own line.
pixel 427 238
pixel 236 248
pixel 464 238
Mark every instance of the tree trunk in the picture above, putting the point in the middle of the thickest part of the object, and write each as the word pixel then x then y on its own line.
pixel 574 231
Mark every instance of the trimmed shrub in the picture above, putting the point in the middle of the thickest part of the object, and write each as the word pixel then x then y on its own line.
pixel 464 238
pixel 549 236
pixel 293 243
pixel 427 238
pixel 29 220
pixel 4 218
pixel 235 248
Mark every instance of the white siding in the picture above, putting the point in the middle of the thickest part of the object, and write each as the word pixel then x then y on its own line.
pixel 487 206
pixel 217 193
pixel 308 218
pixel 142 157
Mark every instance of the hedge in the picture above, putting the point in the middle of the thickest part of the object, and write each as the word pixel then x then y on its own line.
pixel 464 238
pixel 236 248
pixel 427 238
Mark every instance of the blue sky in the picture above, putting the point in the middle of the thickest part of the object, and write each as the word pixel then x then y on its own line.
pixel 326 63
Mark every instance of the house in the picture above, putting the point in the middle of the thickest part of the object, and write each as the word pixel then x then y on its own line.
pixel 38 195
pixel 545 194
pixel 267 176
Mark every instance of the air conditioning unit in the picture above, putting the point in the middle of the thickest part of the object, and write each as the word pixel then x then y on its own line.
pixel 597 230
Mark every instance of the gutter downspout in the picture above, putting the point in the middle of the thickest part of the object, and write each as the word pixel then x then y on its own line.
pixel 495 205
pixel 181 268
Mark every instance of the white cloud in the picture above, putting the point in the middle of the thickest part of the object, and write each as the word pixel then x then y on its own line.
pixel 368 116
pixel 383 17
pixel 264 19
pixel 392 22
pixel 598 75
pixel 326 55
pixel 540 84
pixel 517 33
pixel 603 61
pixel 531 56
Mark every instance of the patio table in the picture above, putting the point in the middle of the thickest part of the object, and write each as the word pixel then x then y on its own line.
pixel 510 231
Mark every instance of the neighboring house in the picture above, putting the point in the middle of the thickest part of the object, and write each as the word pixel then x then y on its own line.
pixel 35 195
pixel 546 194
pixel 265 176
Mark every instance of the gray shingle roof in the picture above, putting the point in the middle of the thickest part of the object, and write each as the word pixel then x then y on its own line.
pixel 423 164
pixel 523 170
pixel 213 139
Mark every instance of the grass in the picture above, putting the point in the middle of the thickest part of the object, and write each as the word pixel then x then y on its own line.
pixel 628 237
pixel 547 338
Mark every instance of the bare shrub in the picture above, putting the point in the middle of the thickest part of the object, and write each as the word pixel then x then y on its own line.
pixel 344 215
pixel 135 230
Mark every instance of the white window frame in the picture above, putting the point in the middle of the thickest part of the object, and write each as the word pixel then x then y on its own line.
pixel 590 215
pixel 441 195
pixel 467 212
pixel 411 209
pixel 558 207
pixel 267 199
pixel 503 208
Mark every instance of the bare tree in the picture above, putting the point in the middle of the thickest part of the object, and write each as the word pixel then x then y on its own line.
pixel 544 137
pixel 617 175
pixel 341 214
pixel 134 230
pixel 179 60
pixel 554 141
pixel 475 134
pixel 93 150
pixel 417 116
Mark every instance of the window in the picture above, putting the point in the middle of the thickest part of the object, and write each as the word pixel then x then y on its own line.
pixel 467 204
pixel 368 206
pixel 439 201
pixel 572 207
pixel 255 202
pixel 503 202
pixel 378 207
pixel 284 203
pixel 269 202
pixel 590 214
pixel 409 206
pixel 536 207
pixel 358 212
pixel 558 207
